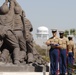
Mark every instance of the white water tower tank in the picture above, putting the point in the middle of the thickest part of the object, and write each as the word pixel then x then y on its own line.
pixel 42 32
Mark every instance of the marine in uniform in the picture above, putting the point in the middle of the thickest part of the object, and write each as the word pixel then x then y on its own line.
pixel 63 53
pixel 70 53
pixel 53 52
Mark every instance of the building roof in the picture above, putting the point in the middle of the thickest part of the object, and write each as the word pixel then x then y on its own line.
pixel 42 30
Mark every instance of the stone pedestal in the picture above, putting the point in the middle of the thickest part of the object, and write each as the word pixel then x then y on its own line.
pixel 9 67
pixel 16 68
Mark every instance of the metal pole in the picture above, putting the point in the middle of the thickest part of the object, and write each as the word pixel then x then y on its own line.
pixel 46 50
pixel 44 70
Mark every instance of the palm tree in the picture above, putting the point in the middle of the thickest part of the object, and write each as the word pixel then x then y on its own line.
pixel 66 33
pixel 73 32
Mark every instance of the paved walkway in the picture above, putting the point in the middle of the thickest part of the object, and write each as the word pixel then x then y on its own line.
pixel 23 73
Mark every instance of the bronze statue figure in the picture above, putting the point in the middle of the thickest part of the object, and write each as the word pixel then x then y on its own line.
pixel 16 40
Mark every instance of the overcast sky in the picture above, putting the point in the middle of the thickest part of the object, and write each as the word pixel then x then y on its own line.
pixel 60 14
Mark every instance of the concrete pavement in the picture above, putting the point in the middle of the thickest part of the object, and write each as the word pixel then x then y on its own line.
pixel 23 73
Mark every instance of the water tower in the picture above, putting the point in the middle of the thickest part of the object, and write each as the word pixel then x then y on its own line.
pixel 42 32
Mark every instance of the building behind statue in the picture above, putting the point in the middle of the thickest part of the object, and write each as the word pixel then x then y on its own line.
pixel 42 34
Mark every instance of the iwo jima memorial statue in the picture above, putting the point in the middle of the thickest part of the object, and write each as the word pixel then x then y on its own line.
pixel 16 41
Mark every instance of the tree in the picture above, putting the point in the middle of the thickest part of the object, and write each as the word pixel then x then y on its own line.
pixel 72 31
pixel 66 33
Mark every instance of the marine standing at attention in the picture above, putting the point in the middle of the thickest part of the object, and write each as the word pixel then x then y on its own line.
pixel 63 53
pixel 53 52
pixel 70 54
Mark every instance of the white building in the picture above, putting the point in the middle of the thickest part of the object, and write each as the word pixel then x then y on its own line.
pixel 42 34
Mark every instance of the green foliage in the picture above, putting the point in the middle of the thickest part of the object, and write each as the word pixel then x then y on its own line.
pixel 71 31
pixel 46 58
pixel 66 33
pixel 42 52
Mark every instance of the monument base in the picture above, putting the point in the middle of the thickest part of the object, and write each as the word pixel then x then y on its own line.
pixel 16 68
pixel 9 67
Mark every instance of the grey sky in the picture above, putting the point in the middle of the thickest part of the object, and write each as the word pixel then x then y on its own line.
pixel 60 14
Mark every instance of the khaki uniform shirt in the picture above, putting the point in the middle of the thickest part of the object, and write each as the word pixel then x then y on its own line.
pixel 70 46
pixel 54 40
pixel 63 42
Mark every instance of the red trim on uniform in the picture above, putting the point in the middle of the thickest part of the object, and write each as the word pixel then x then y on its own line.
pixel 57 73
pixel 67 59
